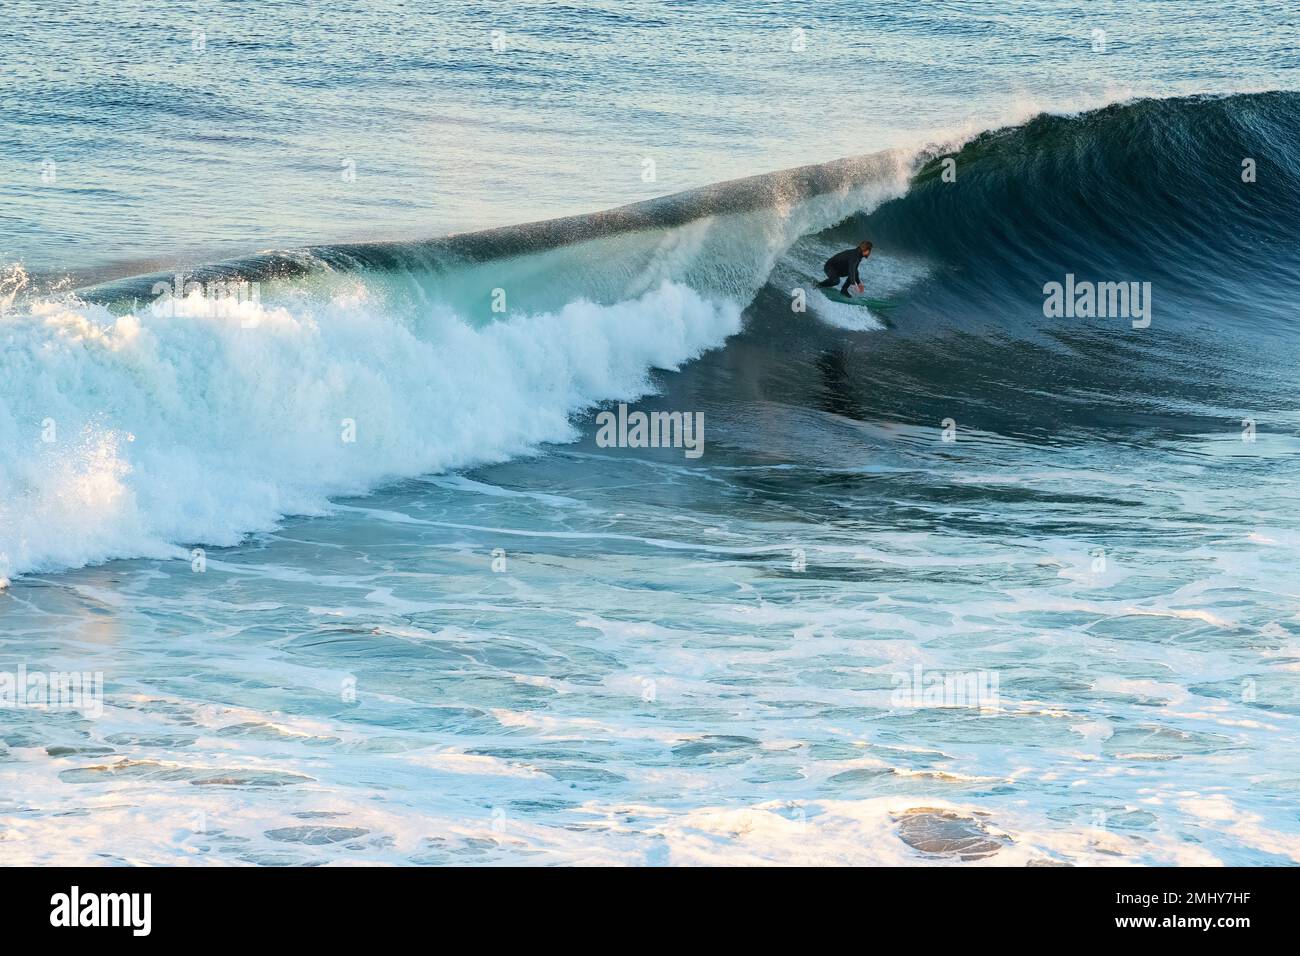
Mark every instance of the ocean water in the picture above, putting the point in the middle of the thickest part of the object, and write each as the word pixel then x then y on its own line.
pixel 953 579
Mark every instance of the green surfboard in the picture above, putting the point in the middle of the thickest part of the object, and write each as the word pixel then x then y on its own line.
pixel 879 304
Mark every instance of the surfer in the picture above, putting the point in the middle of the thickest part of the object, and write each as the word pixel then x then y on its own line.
pixel 844 265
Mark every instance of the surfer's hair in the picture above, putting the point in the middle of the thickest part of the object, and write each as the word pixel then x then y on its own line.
pixel 864 244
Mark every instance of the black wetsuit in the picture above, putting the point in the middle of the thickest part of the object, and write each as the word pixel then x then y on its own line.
pixel 842 265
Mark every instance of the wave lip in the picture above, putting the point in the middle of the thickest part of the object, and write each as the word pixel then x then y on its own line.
pixel 760 196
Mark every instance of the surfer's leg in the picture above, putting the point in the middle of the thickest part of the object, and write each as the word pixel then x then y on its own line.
pixel 832 277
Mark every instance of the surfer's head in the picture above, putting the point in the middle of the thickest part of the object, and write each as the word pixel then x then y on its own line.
pixel 865 248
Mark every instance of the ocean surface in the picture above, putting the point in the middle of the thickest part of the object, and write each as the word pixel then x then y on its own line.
pixel 954 577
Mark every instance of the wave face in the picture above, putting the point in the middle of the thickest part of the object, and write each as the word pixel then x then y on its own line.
pixel 1149 192
pixel 134 430
pixel 1199 196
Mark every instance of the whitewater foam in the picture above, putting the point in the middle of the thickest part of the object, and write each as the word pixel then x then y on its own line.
pixel 131 435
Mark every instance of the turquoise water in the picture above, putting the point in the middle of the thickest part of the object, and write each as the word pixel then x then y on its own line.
pixel 956 582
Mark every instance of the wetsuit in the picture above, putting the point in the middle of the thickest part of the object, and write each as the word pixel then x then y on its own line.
pixel 842 265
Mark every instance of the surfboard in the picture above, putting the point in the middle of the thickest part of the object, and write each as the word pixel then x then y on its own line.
pixel 879 304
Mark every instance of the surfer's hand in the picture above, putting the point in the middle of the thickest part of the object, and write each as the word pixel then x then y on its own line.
pixel 858 288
